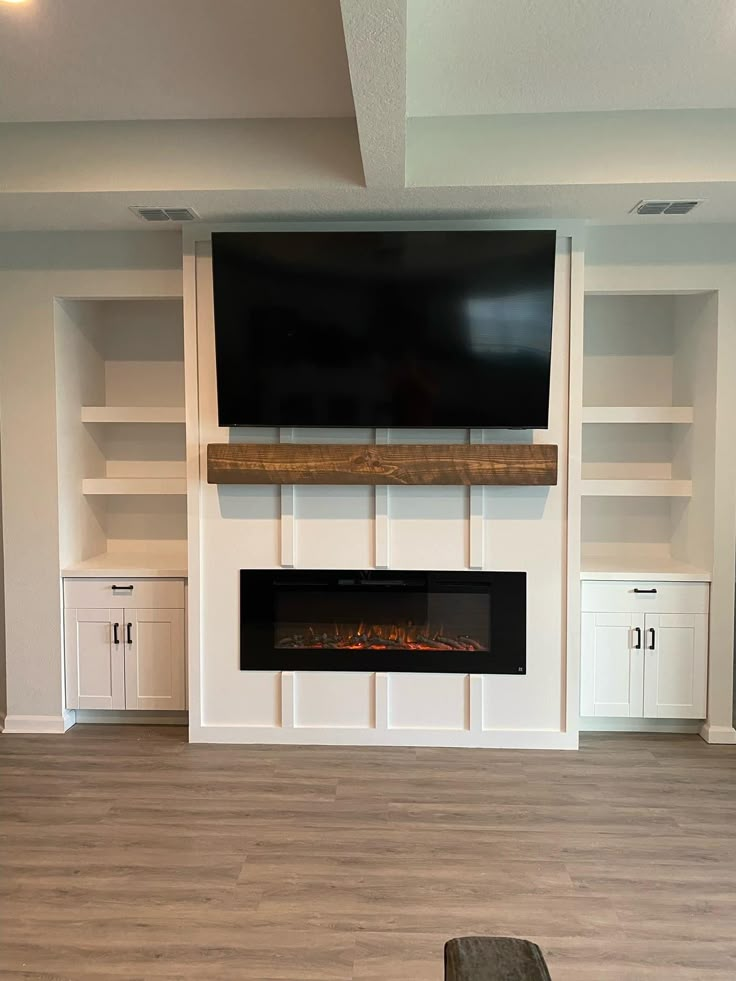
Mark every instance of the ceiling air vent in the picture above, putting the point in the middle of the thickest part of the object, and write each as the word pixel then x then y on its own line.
pixel 664 207
pixel 180 214
pixel 166 214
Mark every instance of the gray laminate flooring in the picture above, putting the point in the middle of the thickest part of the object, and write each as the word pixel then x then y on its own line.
pixel 129 854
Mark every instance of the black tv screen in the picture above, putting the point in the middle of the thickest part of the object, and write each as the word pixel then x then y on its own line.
pixel 409 328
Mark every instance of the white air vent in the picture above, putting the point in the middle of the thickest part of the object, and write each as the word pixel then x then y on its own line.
pixel 664 207
pixel 181 214
pixel 166 214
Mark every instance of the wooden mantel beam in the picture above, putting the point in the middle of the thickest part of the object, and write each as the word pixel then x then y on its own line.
pixel 336 463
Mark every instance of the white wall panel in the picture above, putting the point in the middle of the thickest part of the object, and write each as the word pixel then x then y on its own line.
pixel 533 700
pixel 330 699
pixel 240 698
pixel 428 527
pixel 428 701
pixel 334 527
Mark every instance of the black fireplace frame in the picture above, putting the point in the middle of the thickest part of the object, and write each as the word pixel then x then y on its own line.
pixel 507 592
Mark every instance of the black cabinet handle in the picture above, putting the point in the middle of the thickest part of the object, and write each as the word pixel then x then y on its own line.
pixel 128 630
pixel 115 634
pixel 636 590
pixel 120 588
pixel 651 646
pixel 637 634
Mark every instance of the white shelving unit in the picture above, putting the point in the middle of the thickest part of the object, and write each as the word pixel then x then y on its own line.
pixel 134 485
pixel 162 414
pixel 122 451
pixel 171 564
pixel 674 414
pixel 647 478
pixel 648 418
pixel 621 487
pixel 639 566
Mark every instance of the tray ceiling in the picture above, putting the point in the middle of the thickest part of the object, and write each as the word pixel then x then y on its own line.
pixel 73 60
pixel 480 57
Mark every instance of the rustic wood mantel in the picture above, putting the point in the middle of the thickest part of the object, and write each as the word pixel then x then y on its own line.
pixel 336 463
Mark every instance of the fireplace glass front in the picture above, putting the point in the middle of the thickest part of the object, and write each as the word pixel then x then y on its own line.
pixel 468 622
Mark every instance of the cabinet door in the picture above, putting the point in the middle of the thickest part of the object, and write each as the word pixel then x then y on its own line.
pixel 154 659
pixel 94 662
pixel 675 666
pixel 612 665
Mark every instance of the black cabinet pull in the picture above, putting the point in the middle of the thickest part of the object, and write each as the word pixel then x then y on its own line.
pixel 115 634
pixel 637 634
pixel 126 588
pixel 128 629
pixel 651 646
pixel 636 590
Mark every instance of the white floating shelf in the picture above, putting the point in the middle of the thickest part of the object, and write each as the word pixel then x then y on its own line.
pixel 636 488
pixel 134 485
pixel 147 564
pixel 638 413
pixel 132 413
pixel 639 567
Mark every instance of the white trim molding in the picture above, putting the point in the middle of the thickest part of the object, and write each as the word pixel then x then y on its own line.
pixel 131 717
pixel 605 724
pixel 48 724
pixel 391 736
pixel 718 735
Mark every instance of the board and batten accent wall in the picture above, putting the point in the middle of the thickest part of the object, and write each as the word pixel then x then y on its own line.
pixel 357 527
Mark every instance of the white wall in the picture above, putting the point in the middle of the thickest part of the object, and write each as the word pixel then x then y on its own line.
pixel 36 269
pixel 79 381
pixel 359 527
pixel 699 258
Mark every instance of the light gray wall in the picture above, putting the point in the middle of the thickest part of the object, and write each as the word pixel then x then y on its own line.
pixel 2 598
pixel 35 270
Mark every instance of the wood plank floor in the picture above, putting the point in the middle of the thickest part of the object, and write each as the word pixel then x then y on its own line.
pixel 129 854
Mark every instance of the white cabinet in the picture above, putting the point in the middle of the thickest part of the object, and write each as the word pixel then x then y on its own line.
pixel 644 650
pixel 122 656
pixel 676 660
pixel 612 669
pixel 95 673
pixel 154 659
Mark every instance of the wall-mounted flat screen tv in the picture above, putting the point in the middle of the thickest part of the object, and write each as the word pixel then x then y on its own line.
pixel 394 328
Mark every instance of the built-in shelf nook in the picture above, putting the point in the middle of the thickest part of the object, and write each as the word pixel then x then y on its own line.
pixel 120 401
pixel 648 434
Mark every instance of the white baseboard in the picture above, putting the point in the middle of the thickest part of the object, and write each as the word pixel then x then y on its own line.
pixel 48 724
pixel 692 726
pixel 340 736
pixel 132 717
pixel 718 735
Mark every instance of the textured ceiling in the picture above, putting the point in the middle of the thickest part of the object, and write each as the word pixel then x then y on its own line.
pixel 477 57
pixel 172 59
pixel 456 108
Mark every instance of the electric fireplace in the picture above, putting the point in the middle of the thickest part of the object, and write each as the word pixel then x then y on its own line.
pixel 325 620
